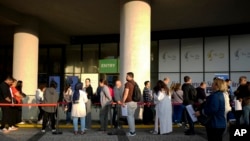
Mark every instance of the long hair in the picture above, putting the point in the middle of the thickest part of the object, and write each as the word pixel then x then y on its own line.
pixel 19 86
pixel 159 86
pixel 76 93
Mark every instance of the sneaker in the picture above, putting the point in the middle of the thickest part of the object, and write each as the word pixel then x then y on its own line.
pixel 53 130
pixel 179 124
pixel 82 132
pixel 12 128
pixel 21 122
pixel 43 131
pixel 131 134
pixel 4 130
pixel 40 122
pixel 154 133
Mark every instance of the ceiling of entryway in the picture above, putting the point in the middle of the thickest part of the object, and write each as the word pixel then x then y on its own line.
pixel 60 19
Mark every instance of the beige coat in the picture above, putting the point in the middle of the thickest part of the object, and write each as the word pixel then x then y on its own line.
pixel 79 109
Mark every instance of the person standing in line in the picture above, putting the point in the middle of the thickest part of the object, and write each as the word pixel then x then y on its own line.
pixel 19 87
pixel 215 109
pixel 89 90
pixel 78 108
pixel 39 100
pixel 240 94
pixel 166 80
pixel 189 97
pixel 201 94
pixel 5 97
pixel 163 108
pixel 226 95
pixel 131 105
pixel 50 96
pixel 105 99
pixel 177 100
pixel 148 114
pixel 17 99
pixel 118 91
pixel 230 91
pixel 67 97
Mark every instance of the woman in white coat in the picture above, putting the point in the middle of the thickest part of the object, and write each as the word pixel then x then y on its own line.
pixel 78 108
pixel 163 108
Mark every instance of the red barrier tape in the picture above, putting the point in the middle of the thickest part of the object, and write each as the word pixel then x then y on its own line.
pixel 55 104
pixel 27 104
pixel 141 103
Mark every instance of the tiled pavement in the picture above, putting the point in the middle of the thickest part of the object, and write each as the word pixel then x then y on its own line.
pixel 34 134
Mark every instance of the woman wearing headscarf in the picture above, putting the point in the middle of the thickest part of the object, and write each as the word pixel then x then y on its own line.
pixel 79 108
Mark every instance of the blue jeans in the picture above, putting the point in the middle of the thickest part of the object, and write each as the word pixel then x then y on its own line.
pixel 68 113
pixel 131 115
pixel 68 117
pixel 75 123
pixel 246 114
pixel 177 115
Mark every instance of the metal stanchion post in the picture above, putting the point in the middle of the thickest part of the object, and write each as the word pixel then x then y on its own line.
pixel 57 122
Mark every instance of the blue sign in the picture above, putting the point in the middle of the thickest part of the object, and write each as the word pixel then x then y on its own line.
pixel 72 80
pixel 222 76
pixel 55 79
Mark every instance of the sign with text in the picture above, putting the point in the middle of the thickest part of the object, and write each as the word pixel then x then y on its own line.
pixel 239 133
pixel 108 66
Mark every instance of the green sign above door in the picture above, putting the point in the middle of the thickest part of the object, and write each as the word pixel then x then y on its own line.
pixel 108 66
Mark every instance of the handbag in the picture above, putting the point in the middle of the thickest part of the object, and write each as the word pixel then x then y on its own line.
pixel 203 119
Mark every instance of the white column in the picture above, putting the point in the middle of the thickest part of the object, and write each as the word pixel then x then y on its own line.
pixel 25 61
pixel 135 40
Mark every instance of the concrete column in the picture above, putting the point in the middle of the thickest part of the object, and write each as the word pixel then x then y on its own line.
pixel 135 40
pixel 25 61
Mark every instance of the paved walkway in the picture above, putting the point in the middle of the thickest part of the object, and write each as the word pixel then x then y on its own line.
pixel 34 134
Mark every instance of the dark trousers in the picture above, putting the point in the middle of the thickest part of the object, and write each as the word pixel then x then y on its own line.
pixel 5 116
pixel 148 115
pixel 49 116
pixel 116 115
pixel 41 113
pixel 15 115
pixel 8 117
pixel 214 134
pixel 104 117
pixel 177 114
pixel 19 115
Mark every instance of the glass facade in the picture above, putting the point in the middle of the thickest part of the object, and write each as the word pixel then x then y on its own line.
pixel 197 57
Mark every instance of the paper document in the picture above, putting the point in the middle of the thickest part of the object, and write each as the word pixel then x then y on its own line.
pixel 124 110
pixel 238 105
pixel 191 112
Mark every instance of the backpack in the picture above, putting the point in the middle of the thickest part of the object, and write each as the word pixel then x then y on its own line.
pixel 96 97
pixel 136 96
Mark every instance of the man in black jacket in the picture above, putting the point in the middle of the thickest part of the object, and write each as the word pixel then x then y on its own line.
pixel 5 97
pixel 89 90
pixel 189 96
pixel 242 92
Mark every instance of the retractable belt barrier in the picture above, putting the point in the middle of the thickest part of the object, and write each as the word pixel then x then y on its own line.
pixel 63 103
pixel 28 104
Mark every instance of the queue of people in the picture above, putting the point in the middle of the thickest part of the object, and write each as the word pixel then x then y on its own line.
pixel 11 93
pixel 163 106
